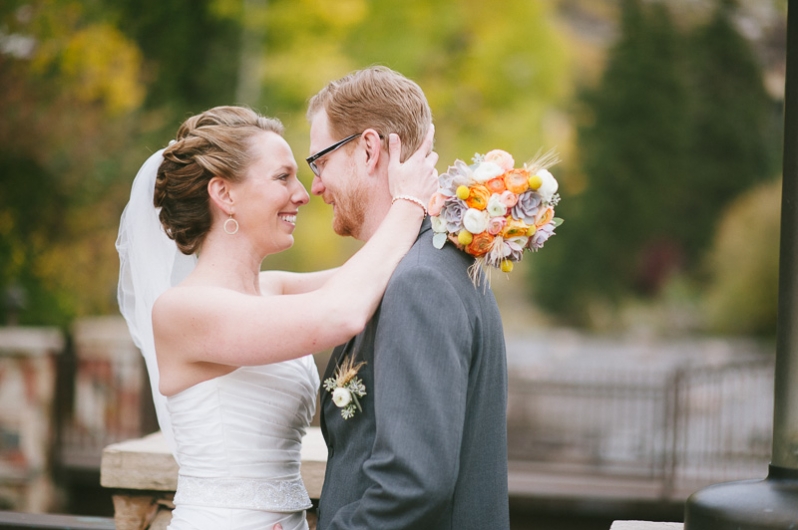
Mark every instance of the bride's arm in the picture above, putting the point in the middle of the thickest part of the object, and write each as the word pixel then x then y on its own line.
pixel 285 282
pixel 206 324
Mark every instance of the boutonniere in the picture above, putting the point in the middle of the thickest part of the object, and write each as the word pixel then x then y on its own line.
pixel 346 388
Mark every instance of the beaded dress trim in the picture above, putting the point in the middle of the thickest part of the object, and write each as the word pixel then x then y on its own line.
pixel 243 493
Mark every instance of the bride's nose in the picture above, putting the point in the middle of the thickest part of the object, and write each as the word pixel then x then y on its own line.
pixel 300 195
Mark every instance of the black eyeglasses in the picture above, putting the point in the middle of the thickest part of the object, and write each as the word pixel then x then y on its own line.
pixel 311 160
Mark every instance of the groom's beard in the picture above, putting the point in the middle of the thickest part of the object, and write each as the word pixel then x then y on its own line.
pixel 350 211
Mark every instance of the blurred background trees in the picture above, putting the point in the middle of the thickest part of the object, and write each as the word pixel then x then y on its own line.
pixel 678 126
pixel 670 142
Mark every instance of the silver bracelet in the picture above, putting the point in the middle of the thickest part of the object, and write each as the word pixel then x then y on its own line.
pixel 411 199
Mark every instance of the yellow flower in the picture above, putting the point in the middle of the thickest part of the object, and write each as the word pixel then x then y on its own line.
pixel 514 228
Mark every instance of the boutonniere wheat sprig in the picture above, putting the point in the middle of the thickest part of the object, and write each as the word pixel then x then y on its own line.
pixel 346 387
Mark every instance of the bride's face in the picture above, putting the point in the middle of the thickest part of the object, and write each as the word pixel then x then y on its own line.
pixel 269 197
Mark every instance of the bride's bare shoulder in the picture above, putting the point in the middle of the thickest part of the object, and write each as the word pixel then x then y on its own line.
pixel 182 301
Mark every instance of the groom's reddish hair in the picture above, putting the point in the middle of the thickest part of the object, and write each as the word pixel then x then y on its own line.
pixel 378 98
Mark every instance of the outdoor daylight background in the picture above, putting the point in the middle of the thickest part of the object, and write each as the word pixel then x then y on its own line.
pixel 667 115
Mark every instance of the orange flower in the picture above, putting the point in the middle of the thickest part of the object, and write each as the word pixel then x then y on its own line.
pixel 478 197
pixel 480 245
pixel 514 228
pixel 517 180
pixel 544 217
pixel 436 203
pixel 496 185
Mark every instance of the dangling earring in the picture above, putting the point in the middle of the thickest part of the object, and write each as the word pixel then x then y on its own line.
pixel 234 230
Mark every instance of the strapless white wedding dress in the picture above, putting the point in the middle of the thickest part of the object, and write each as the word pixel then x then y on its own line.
pixel 238 439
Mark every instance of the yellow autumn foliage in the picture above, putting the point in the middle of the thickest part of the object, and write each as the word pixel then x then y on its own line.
pixel 744 264
pixel 102 65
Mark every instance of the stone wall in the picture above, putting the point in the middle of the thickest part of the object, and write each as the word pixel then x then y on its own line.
pixel 27 386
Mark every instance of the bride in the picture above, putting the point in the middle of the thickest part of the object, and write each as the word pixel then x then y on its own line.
pixel 226 344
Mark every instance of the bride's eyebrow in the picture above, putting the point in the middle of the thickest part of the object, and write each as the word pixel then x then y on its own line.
pixel 285 169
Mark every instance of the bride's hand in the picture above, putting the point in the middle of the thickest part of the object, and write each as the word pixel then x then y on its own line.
pixel 415 177
pixel 278 526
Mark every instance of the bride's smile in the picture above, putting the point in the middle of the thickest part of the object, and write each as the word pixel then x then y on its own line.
pixel 268 198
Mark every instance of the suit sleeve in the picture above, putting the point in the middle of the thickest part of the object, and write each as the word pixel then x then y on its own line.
pixel 422 357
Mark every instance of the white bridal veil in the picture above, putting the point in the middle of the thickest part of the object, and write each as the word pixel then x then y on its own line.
pixel 149 264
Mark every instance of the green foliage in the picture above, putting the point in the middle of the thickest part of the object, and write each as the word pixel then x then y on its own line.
pixel 744 265
pixel 492 74
pixel 677 129
pixel 735 123
pixel 678 126
pixel 31 211
pixel 191 52
pixel 109 81
pixel 491 77
pixel 66 101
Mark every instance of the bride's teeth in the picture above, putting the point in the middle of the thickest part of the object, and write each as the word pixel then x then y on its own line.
pixel 289 218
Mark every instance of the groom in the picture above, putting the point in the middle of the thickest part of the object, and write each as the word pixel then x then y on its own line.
pixel 427 446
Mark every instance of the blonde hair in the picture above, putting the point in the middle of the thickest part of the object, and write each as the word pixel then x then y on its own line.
pixel 214 143
pixel 378 98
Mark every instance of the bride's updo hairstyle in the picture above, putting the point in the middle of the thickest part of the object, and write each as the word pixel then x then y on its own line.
pixel 214 143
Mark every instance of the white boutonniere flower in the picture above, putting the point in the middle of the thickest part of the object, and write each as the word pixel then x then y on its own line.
pixel 346 388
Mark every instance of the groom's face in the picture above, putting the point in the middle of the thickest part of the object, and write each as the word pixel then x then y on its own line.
pixel 338 182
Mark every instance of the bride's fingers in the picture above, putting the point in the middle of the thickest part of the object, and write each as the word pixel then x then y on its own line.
pixel 417 175
pixel 394 151
pixel 426 145
pixel 424 150
pixel 432 159
pixel 278 526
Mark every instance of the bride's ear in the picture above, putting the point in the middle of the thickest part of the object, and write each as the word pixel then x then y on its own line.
pixel 220 193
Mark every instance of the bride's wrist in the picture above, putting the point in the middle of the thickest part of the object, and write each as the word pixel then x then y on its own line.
pixel 405 198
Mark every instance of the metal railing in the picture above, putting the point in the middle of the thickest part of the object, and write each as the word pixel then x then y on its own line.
pixel 656 434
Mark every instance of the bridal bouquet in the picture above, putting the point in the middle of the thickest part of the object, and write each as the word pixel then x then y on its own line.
pixel 493 210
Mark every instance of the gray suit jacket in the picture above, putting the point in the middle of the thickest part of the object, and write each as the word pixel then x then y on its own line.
pixel 429 449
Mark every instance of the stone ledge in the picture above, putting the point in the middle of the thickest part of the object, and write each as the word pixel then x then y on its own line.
pixel 30 341
pixel 147 464
pixel 140 464
pixel 645 525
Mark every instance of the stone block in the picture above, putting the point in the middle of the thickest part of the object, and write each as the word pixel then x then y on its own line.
pixel 645 525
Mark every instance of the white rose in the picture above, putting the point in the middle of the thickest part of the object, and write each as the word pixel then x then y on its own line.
pixel 486 171
pixel 549 186
pixel 438 225
pixel 496 208
pixel 341 397
pixel 475 221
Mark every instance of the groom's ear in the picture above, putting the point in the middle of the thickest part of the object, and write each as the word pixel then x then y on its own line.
pixel 220 193
pixel 373 149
